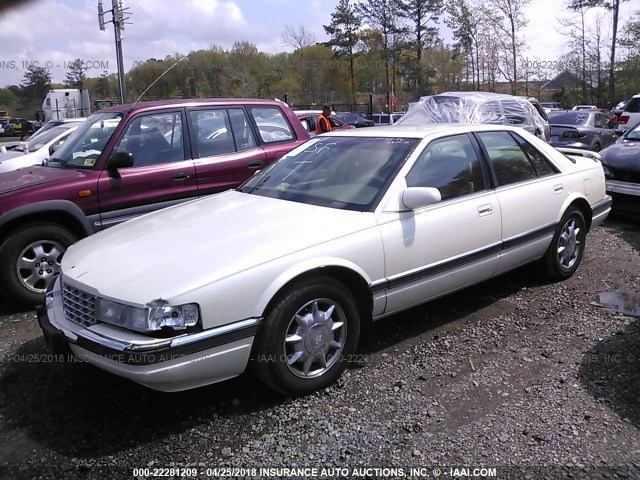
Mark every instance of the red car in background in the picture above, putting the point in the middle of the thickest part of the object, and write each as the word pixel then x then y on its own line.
pixel 126 161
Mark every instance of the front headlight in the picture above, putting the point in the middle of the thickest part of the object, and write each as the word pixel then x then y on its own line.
pixel 156 316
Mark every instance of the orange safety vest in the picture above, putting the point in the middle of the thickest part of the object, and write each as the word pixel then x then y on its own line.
pixel 324 125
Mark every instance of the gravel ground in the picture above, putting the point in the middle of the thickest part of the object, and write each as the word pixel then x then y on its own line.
pixel 517 374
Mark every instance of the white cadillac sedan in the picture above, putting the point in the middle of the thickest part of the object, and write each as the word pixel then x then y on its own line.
pixel 283 274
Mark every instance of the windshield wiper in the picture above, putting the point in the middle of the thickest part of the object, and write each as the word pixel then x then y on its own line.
pixel 56 160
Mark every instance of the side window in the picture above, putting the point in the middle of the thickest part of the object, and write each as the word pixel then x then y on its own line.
pixel 212 132
pixel 272 124
pixel 540 163
pixel 509 161
pixel 241 129
pixel 449 164
pixel 154 139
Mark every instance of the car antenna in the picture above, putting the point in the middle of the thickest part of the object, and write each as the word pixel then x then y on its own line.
pixel 161 75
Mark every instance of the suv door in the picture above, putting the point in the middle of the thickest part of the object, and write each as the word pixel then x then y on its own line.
pixel 163 173
pixel 225 149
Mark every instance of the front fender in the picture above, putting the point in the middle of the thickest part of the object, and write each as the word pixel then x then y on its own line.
pixel 299 269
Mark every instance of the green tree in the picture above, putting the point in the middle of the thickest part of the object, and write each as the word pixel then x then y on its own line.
pixel 36 83
pixel 463 22
pixel 103 86
pixel 420 14
pixel 382 15
pixel 343 31
pixel 76 75
pixel 8 100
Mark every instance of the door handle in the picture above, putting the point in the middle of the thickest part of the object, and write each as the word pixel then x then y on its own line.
pixel 484 210
pixel 255 164
pixel 180 176
pixel 558 188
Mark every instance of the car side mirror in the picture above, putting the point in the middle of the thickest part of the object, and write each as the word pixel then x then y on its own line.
pixel 418 197
pixel 618 131
pixel 119 160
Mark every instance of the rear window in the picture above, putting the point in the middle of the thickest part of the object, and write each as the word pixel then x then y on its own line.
pixel 569 118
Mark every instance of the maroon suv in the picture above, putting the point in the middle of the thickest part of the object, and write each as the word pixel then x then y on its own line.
pixel 126 161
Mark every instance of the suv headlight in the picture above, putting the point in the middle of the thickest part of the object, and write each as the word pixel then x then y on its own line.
pixel 156 316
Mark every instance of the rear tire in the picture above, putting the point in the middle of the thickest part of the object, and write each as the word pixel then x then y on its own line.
pixel 307 337
pixel 29 260
pixel 567 247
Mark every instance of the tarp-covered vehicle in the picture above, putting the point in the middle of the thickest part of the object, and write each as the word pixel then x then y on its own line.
pixel 476 107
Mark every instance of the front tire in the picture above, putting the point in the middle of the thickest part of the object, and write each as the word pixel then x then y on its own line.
pixel 29 260
pixel 567 247
pixel 307 337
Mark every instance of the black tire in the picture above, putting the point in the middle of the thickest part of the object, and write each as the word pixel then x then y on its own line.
pixel 16 285
pixel 567 247
pixel 270 355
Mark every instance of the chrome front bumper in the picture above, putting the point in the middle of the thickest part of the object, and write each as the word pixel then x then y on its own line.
pixel 172 364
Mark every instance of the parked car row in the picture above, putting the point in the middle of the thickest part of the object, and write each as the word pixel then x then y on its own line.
pixel 319 237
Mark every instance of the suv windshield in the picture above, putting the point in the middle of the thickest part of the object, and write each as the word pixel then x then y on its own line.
pixel 83 149
pixel 339 172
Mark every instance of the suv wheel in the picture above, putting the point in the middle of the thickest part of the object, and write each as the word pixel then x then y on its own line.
pixel 30 259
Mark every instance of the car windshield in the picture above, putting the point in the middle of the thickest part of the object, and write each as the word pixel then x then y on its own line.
pixel 85 146
pixel 37 142
pixel 350 173
pixel 633 134
pixel 569 118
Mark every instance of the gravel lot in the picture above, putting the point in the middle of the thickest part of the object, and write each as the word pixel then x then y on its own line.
pixel 516 374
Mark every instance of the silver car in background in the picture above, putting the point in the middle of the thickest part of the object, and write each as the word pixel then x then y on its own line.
pixel 583 129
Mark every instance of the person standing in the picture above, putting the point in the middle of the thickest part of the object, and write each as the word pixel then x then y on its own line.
pixel 323 123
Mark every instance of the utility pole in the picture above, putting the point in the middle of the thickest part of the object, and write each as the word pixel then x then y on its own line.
pixel 119 20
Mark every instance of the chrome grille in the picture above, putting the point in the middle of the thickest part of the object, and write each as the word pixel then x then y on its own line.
pixel 79 306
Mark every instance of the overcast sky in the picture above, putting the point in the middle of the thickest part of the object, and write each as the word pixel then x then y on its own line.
pixel 55 32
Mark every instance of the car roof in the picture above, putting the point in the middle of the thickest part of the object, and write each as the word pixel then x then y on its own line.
pixel 420 131
pixel 189 102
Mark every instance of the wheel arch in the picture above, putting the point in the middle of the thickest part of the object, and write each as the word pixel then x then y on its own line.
pixel 348 274
pixel 581 204
pixel 61 212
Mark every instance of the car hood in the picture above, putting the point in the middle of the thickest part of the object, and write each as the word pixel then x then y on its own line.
pixel 622 154
pixel 12 154
pixel 35 176
pixel 170 252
